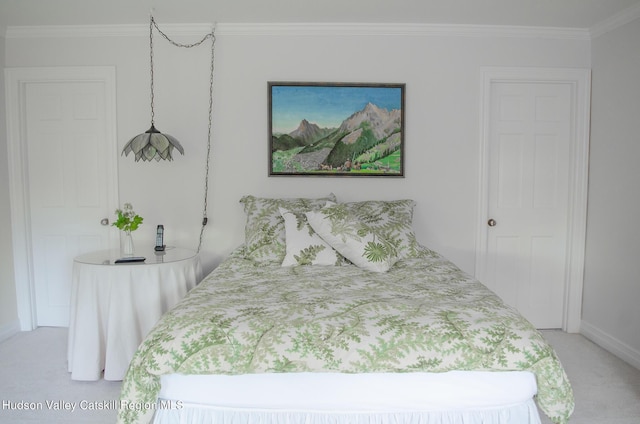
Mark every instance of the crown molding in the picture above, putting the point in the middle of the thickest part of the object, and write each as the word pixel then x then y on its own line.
pixel 616 21
pixel 299 29
pixel 121 30
pixel 419 30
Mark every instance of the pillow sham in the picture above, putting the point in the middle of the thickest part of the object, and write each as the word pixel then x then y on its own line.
pixel 351 238
pixel 264 226
pixel 302 245
pixel 392 220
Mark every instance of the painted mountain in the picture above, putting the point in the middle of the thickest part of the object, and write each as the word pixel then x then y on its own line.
pixel 367 142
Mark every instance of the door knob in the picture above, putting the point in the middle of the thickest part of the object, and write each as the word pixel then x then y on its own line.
pixel 104 221
pixel 492 222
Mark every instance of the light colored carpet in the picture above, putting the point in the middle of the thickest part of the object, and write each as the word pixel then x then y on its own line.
pixel 33 368
pixel 606 389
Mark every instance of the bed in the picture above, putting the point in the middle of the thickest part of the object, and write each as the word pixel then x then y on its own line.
pixel 334 313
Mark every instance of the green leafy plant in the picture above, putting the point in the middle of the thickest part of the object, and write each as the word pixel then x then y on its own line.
pixel 127 220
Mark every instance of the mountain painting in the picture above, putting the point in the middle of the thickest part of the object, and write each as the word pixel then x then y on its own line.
pixel 336 129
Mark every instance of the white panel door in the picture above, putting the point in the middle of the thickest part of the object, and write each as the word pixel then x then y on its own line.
pixel 528 197
pixel 68 181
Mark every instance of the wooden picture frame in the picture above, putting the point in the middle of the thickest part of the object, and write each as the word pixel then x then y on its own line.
pixel 336 129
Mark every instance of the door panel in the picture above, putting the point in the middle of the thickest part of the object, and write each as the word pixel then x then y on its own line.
pixel 66 144
pixel 528 197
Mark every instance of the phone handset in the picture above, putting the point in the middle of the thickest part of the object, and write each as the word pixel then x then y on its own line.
pixel 160 239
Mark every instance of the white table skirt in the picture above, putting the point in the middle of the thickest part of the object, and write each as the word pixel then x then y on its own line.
pixel 113 307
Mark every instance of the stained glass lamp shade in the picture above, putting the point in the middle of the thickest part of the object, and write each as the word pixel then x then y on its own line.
pixel 152 144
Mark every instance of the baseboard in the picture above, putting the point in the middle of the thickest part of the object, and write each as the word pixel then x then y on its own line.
pixel 611 344
pixel 9 330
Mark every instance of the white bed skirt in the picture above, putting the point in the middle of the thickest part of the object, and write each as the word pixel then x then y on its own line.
pixel 458 397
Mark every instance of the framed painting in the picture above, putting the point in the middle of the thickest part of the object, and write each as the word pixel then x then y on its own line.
pixel 336 129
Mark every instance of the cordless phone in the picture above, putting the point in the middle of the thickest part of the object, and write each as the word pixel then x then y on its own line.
pixel 160 239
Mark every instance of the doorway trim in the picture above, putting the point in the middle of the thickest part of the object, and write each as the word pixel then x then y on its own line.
pixel 580 82
pixel 16 80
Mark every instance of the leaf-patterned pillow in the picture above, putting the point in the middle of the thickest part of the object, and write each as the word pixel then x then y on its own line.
pixel 264 227
pixel 393 220
pixel 352 239
pixel 303 245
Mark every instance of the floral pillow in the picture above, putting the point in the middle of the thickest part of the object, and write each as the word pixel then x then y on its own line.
pixel 303 245
pixel 351 238
pixel 393 220
pixel 264 227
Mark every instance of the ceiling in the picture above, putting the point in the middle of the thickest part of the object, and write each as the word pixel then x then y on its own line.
pixel 544 13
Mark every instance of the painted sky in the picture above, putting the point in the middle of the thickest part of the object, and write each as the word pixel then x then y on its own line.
pixel 325 106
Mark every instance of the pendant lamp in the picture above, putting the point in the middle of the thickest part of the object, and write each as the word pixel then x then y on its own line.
pixel 152 144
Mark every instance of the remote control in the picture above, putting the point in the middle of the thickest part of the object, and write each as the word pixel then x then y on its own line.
pixel 130 259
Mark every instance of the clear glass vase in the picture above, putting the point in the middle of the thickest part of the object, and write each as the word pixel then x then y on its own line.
pixel 127 244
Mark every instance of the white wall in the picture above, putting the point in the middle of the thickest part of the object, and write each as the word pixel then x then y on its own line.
pixel 611 315
pixel 8 309
pixel 441 72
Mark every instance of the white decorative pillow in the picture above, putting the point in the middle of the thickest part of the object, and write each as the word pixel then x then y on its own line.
pixel 351 238
pixel 303 246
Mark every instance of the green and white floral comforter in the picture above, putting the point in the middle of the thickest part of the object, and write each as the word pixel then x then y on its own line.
pixel 422 315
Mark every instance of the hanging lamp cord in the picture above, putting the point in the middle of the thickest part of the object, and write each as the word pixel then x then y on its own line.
pixel 151 23
pixel 211 36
